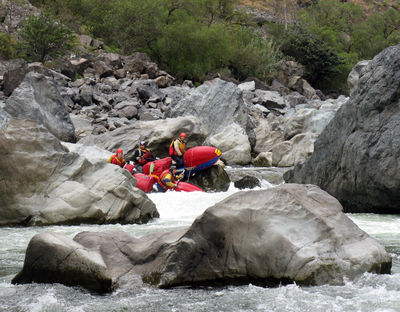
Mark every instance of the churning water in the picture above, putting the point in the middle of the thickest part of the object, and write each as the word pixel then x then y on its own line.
pixel 379 293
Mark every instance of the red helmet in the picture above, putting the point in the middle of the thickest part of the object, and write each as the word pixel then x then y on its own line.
pixel 183 134
pixel 119 151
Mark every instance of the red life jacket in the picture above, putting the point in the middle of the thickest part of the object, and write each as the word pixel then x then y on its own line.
pixel 182 147
pixel 161 179
pixel 114 160
pixel 145 157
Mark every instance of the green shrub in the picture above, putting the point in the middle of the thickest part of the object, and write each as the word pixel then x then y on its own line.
pixel 44 37
pixel 8 46
pixel 321 62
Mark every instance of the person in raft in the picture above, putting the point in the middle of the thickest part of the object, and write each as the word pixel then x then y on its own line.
pixel 168 179
pixel 142 156
pixel 177 149
pixel 118 158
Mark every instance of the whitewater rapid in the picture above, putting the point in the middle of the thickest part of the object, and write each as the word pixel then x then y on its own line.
pixel 370 293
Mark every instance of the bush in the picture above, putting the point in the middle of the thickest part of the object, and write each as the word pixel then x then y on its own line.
pixel 8 46
pixel 44 37
pixel 253 55
pixel 321 62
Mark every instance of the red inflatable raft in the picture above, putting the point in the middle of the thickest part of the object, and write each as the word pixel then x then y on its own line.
pixel 201 157
pixel 145 182
pixel 159 166
pixel 187 187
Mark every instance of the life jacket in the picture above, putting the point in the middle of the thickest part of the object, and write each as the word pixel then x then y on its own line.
pixel 144 157
pixel 182 147
pixel 114 160
pixel 161 181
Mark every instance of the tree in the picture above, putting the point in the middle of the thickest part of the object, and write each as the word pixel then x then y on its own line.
pixel 284 9
pixel 44 37
pixel 321 62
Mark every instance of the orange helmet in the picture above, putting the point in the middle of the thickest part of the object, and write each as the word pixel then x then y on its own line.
pixel 119 150
pixel 183 135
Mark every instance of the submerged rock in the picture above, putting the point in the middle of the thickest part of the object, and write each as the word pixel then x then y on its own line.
pixel 247 182
pixel 290 233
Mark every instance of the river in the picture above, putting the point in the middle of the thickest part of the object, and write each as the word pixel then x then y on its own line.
pixel 378 293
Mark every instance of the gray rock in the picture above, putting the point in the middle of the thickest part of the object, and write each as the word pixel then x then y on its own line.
pixel 55 186
pixel 85 95
pixel 247 86
pixel 356 156
pixel 92 272
pixel 38 99
pixel 216 106
pixel 14 75
pixel 247 182
pixel 158 134
pixel 111 59
pixel 263 159
pixel 83 126
pixel 128 112
pixel 147 114
pixel 102 69
pixel 354 76
pixel 289 233
pixel 213 179
pixel 234 144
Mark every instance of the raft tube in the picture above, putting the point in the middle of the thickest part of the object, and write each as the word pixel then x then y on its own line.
pixel 144 182
pixel 187 187
pixel 201 157
pixel 159 166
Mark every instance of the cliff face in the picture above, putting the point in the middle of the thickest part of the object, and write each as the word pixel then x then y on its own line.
pixel 356 157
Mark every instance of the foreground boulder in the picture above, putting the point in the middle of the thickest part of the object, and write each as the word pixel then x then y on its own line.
pixel 356 157
pixel 290 233
pixel 42 183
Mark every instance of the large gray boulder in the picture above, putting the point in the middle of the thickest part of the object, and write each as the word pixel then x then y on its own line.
pixel 38 99
pixel 42 183
pixel 157 133
pixel 290 233
pixel 356 157
pixel 219 106
pixel 216 105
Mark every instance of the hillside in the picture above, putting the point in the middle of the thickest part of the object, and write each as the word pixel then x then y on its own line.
pixel 199 40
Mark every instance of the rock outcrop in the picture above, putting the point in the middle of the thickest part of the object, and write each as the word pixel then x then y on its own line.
pixel 356 157
pixel 290 233
pixel 158 135
pixel 42 183
pixel 37 98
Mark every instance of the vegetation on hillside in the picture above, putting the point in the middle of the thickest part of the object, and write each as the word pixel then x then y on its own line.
pixel 195 39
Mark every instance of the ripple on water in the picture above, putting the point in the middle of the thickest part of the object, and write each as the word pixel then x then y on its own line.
pixel 370 293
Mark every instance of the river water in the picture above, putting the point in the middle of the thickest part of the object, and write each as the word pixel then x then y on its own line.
pixel 379 293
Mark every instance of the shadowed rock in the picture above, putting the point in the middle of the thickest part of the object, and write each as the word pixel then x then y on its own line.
pixel 356 157
pixel 213 179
